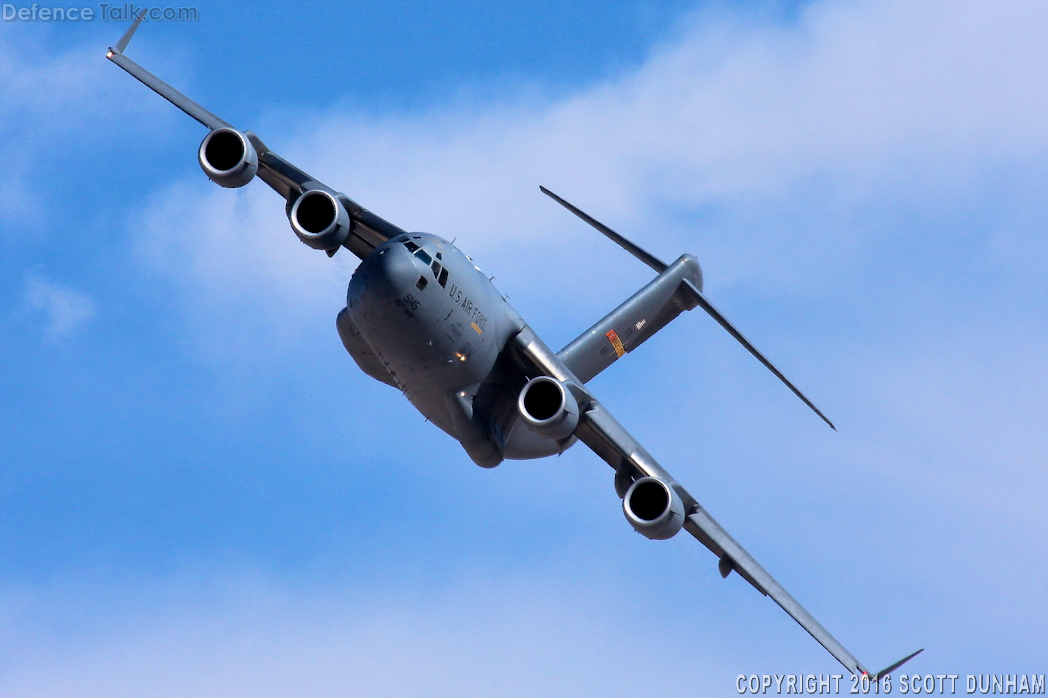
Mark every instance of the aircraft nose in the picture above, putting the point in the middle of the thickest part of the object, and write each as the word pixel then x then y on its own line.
pixel 395 271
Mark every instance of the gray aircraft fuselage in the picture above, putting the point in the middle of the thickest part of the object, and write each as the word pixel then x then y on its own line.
pixel 422 317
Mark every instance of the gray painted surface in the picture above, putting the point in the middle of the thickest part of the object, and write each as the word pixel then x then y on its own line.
pixel 635 321
pixel 422 318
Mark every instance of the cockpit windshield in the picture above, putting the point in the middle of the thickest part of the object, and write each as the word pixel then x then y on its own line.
pixel 439 272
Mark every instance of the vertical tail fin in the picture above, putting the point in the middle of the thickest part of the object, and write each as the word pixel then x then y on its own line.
pixel 696 293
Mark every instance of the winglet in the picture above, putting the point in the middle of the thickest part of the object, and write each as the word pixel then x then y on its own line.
pixel 116 55
pixel 122 44
pixel 893 667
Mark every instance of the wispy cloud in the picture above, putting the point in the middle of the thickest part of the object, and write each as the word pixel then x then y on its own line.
pixel 56 104
pixel 864 102
pixel 65 309
pixel 877 161
pixel 250 637
pixel 864 186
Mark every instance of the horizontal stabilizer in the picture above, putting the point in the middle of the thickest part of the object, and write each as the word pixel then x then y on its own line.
pixel 643 255
pixel 695 291
pixel 723 321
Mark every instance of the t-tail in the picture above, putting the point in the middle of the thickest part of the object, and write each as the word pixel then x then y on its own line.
pixel 678 287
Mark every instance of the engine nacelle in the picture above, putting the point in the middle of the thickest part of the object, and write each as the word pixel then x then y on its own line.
pixel 228 158
pixel 549 408
pixel 653 508
pixel 320 220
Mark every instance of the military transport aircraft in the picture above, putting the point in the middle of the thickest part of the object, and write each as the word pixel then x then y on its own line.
pixel 422 318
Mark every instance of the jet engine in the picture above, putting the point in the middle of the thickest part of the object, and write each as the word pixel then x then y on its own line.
pixel 549 408
pixel 319 219
pixel 653 508
pixel 228 158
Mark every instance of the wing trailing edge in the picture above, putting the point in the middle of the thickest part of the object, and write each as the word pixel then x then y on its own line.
pixel 734 557
pixel 368 230
pixel 606 437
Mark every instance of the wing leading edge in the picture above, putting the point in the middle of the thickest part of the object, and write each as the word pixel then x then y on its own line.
pixel 603 434
pixel 369 230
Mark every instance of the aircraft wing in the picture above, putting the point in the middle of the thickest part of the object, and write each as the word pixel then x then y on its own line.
pixel 603 434
pixel 286 179
pixel 608 439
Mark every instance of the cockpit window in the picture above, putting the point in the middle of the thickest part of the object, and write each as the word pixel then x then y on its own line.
pixel 439 256
pixel 421 254
pixel 410 245
pixel 443 280
pixel 436 268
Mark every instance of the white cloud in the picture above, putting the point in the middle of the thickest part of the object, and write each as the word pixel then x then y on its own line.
pixel 249 637
pixel 879 101
pixel 876 161
pixel 56 104
pixel 65 309
pixel 245 284
pixel 854 161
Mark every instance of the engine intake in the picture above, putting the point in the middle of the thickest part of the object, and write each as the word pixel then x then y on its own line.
pixel 549 408
pixel 228 158
pixel 653 508
pixel 319 220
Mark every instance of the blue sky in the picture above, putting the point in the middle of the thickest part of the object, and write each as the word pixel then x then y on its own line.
pixel 201 494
